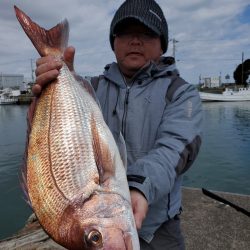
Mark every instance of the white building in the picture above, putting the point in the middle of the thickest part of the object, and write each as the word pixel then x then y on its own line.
pixel 212 82
pixel 11 80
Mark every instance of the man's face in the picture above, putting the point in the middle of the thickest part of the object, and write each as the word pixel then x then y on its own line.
pixel 134 46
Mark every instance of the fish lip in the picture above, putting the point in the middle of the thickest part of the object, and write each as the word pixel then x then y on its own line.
pixel 128 241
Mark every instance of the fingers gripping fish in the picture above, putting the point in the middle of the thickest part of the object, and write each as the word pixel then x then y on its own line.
pixel 75 178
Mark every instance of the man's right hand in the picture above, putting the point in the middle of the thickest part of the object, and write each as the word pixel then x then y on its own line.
pixel 48 69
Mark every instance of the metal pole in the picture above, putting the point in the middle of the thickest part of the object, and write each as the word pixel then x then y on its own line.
pixel 32 70
pixel 1 86
pixel 174 47
pixel 242 72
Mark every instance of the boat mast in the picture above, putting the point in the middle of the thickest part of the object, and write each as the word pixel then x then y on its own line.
pixel 242 68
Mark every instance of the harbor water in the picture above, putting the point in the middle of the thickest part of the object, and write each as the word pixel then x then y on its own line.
pixel 222 165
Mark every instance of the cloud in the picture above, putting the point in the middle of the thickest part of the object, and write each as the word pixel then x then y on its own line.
pixel 212 34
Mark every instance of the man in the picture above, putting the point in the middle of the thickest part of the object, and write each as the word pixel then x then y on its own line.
pixel 158 113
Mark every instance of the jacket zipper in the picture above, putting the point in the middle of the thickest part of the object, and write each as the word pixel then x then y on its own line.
pixel 125 112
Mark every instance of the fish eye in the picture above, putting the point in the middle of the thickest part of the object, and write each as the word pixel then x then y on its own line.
pixel 94 238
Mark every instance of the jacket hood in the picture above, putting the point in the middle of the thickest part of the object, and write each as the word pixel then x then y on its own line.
pixel 166 67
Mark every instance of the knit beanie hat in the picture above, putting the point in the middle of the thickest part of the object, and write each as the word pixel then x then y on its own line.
pixel 147 12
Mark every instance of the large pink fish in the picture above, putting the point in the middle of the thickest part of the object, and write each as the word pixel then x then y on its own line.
pixel 76 180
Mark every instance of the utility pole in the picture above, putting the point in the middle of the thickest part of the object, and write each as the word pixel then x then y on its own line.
pixel 32 70
pixel 174 46
pixel 1 86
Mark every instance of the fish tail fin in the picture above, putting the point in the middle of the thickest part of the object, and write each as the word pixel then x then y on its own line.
pixel 47 42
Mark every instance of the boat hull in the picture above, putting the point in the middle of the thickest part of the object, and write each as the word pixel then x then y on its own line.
pixel 8 101
pixel 227 96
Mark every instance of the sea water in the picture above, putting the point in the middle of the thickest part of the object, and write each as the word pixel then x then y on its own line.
pixel 223 163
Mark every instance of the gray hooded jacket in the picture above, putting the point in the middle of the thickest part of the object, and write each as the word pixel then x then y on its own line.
pixel 159 116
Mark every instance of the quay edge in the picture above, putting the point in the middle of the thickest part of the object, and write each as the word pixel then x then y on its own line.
pixel 211 225
pixel 25 99
pixel 206 224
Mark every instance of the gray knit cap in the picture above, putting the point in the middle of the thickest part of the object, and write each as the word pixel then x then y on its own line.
pixel 147 12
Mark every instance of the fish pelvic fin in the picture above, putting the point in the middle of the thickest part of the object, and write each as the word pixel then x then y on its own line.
pixel 47 42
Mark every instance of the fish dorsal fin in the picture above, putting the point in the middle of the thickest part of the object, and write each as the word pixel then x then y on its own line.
pixel 88 87
pixel 47 42
pixel 102 154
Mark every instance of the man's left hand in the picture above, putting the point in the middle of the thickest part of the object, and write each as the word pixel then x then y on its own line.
pixel 139 206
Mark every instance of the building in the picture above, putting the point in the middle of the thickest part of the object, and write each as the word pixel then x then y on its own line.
pixel 11 80
pixel 212 82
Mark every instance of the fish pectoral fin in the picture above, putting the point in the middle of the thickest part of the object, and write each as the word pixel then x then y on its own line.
pixel 88 87
pixel 102 154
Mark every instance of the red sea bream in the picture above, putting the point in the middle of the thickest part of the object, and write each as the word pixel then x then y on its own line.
pixel 76 181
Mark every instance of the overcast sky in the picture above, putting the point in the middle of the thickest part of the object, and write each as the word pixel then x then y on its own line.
pixel 211 34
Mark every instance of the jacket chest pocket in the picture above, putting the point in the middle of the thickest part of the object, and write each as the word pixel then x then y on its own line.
pixel 143 120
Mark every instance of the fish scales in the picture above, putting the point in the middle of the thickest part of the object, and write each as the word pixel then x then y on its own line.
pixel 76 180
pixel 74 133
pixel 70 152
pixel 39 178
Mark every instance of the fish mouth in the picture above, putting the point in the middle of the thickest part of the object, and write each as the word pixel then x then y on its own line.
pixel 128 241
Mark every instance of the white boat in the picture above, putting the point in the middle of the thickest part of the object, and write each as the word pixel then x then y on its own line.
pixel 8 97
pixel 229 95
pixel 5 101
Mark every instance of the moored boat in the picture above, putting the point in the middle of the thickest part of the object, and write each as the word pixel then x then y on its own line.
pixel 229 95
pixel 7 97
pixel 6 101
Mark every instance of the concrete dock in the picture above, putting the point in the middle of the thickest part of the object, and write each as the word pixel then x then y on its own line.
pixel 207 225
pixel 210 225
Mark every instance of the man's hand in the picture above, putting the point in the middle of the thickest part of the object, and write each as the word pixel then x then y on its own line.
pixel 48 69
pixel 139 206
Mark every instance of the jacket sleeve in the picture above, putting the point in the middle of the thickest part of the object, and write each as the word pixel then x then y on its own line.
pixel 176 146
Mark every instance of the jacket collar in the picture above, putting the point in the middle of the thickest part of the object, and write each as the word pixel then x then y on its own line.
pixel 165 67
